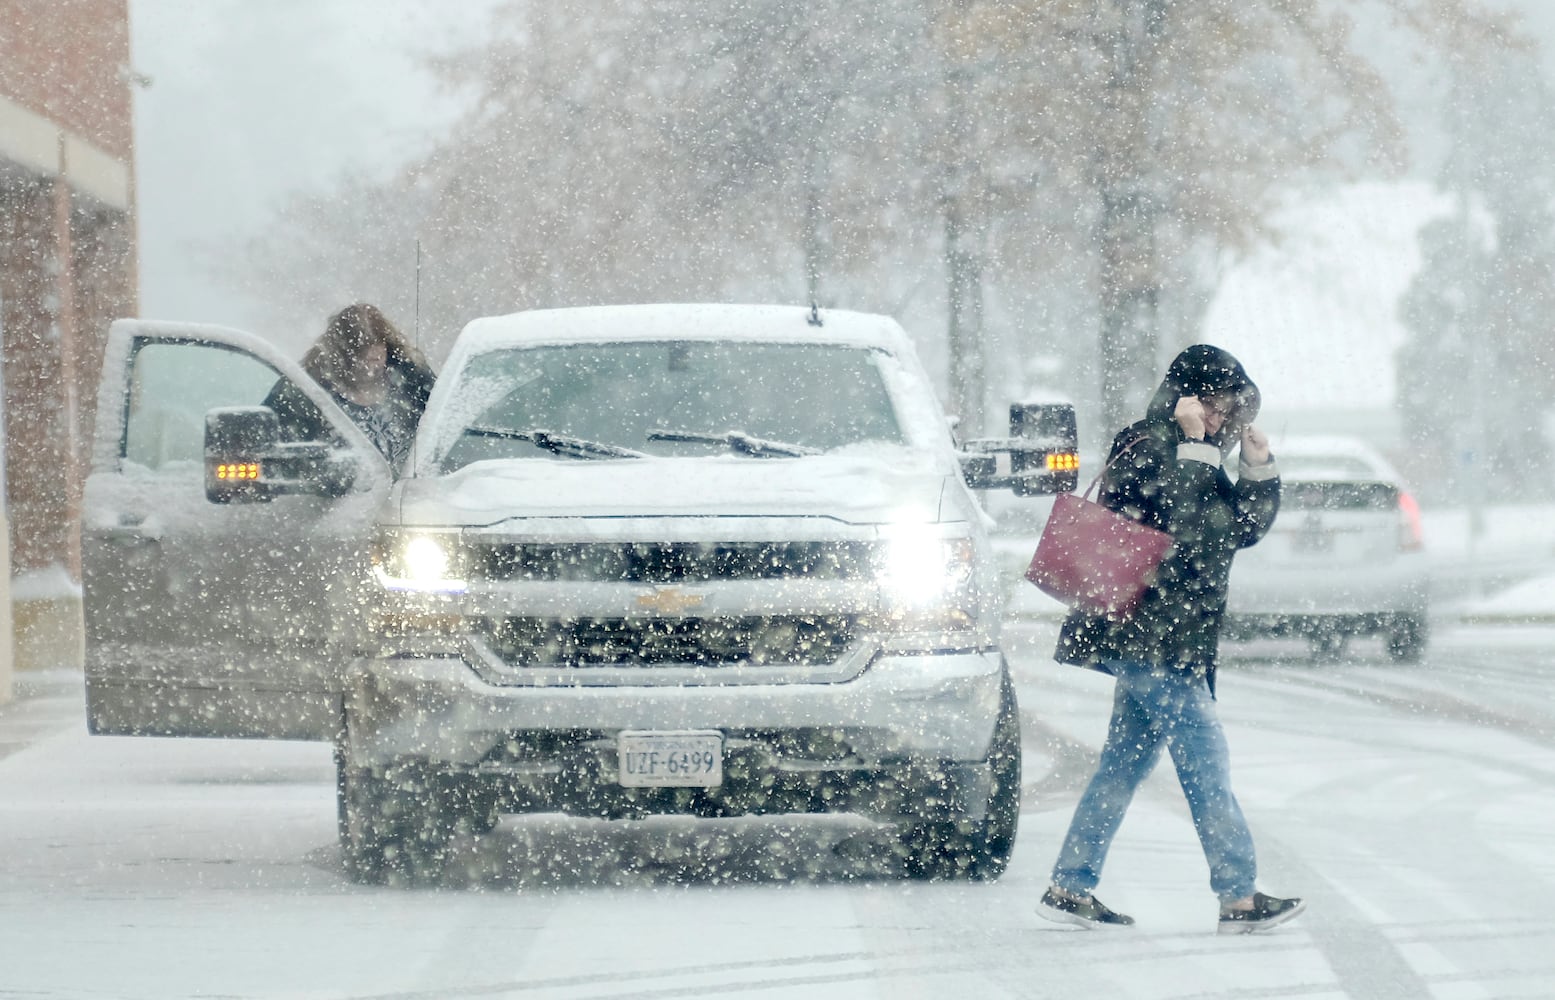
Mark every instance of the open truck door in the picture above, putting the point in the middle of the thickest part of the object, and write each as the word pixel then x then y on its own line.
pixel 214 611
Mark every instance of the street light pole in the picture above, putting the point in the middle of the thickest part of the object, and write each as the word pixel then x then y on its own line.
pixel 1474 449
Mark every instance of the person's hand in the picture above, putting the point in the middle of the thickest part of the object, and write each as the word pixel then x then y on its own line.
pixel 1190 417
pixel 1255 446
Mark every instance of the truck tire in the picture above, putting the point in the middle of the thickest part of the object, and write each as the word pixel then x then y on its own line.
pixel 977 850
pixel 394 823
pixel 1328 645
pixel 1406 640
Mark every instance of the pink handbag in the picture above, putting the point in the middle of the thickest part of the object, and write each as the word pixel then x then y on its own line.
pixel 1094 558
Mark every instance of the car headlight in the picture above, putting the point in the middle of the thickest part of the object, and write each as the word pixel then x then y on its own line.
pixel 420 561
pixel 926 579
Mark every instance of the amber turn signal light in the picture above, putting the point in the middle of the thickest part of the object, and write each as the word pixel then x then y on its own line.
pixel 237 470
pixel 1063 461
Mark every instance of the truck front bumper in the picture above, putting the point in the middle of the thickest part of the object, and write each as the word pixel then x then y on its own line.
pixel 908 734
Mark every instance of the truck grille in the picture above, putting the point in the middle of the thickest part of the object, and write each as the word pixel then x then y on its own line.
pixel 677 562
pixel 788 640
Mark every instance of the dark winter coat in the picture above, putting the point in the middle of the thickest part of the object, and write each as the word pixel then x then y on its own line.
pixel 1180 487
pixel 391 427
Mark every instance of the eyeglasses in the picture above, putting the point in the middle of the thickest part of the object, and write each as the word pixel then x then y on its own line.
pixel 1221 406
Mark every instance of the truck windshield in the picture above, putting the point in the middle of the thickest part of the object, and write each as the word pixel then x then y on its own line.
pixel 636 395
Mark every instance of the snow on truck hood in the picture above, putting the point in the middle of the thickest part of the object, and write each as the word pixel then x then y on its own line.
pixel 894 485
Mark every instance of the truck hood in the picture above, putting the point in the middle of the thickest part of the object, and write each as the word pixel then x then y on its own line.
pixel 901 486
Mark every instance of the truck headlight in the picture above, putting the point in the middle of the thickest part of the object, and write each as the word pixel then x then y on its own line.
pixel 420 561
pixel 926 579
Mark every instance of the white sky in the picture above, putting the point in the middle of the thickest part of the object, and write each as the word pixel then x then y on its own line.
pixel 250 102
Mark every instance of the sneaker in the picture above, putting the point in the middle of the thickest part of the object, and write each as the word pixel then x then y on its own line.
pixel 1087 913
pixel 1267 912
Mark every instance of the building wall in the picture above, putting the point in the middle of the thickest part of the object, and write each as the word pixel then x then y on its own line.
pixel 67 268
pixel 69 61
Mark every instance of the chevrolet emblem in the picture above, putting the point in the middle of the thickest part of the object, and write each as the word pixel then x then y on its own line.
pixel 669 600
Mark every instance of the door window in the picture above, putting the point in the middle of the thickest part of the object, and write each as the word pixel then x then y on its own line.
pixel 174 384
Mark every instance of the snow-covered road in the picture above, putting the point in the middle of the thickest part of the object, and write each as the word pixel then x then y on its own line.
pixel 1413 805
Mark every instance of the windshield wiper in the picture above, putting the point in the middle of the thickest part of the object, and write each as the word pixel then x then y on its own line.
pixel 737 441
pixel 560 444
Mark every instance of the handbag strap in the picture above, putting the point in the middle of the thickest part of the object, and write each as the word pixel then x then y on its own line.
pixel 1121 452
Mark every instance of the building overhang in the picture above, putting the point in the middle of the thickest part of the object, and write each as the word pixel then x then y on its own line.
pixel 39 146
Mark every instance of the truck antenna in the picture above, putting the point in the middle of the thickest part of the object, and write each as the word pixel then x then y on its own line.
pixel 415 336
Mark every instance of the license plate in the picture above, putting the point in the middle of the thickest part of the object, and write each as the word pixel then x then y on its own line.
pixel 685 759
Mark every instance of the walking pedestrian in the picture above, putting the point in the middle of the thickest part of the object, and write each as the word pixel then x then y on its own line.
pixel 1169 474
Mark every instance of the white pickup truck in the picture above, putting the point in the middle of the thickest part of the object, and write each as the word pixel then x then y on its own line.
pixel 705 559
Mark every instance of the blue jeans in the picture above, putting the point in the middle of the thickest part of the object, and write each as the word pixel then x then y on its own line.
pixel 1154 705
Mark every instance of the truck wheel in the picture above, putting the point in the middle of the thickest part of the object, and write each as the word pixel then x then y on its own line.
pixel 1407 640
pixel 473 808
pixel 363 836
pixel 977 850
pixel 394 824
pixel 1328 645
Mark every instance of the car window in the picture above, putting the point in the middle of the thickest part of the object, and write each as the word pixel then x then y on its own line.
pixel 1339 495
pixel 812 396
pixel 1344 467
pixel 172 386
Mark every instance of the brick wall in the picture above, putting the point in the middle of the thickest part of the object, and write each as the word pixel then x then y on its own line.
pixel 67 60
pixel 67 268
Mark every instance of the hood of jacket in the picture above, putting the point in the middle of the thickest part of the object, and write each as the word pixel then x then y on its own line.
pixel 1206 370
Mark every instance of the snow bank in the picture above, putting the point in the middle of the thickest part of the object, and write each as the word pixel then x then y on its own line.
pixel 52 583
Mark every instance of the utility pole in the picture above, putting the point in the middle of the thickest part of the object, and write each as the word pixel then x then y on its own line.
pixel 812 229
pixel 963 234
pixel 7 644
pixel 1129 272
pixel 1474 450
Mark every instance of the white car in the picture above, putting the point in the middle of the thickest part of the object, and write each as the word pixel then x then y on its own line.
pixel 702 559
pixel 1344 558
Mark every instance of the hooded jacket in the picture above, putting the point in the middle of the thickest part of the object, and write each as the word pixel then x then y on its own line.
pixel 1158 477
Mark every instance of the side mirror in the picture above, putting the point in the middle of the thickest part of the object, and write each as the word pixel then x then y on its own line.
pixel 1051 462
pixel 246 461
pixel 1043 450
pixel 238 439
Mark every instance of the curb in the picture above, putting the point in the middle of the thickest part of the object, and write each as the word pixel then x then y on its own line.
pixel 1507 618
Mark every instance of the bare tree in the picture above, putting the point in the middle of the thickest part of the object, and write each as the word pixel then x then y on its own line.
pixel 1477 375
pixel 842 152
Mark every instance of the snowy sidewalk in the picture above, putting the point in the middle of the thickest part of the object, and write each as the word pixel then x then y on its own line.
pixel 46 702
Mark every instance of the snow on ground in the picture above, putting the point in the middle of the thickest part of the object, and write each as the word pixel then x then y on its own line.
pixel 1531 600
pixel 49 583
pixel 1504 572
pixel 1409 805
